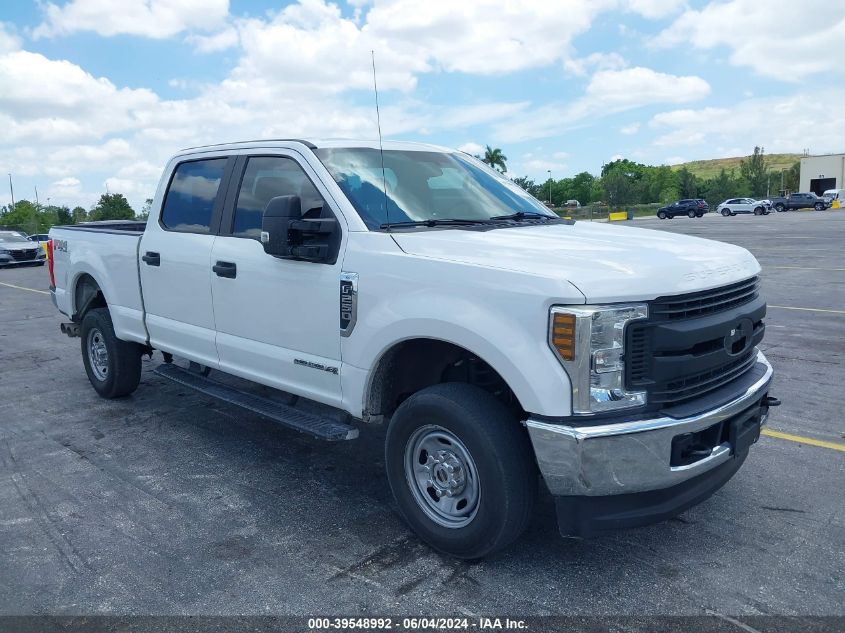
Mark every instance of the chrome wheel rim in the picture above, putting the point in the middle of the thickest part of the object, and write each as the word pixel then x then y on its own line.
pixel 98 354
pixel 442 476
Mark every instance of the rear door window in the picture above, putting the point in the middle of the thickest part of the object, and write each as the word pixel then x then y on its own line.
pixel 191 196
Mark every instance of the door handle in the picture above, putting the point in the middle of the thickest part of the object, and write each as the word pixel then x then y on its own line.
pixel 225 269
pixel 151 259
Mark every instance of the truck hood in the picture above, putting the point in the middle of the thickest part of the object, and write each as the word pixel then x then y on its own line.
pixel 606 263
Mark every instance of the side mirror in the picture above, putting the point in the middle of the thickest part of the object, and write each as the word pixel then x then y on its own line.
pixel 285 234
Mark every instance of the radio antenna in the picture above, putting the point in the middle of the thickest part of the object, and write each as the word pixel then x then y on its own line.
pixel 380 145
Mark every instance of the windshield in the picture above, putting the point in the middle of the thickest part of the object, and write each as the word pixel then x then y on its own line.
pixel 8 236
pixel 423 186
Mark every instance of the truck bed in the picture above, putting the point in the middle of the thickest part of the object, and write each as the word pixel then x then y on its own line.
pixel 108 253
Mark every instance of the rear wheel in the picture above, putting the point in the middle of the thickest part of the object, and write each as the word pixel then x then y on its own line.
pixel 461 469
pixel 779 207
pixel 690 213
pixel 113 366
pixel 819 206
pixel 661 215
pixel 726 212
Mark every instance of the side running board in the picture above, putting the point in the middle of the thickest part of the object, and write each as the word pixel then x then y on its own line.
pixel 302 421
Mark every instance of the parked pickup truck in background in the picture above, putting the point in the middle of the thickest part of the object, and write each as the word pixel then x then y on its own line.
pixel 419 289
pixel 800 201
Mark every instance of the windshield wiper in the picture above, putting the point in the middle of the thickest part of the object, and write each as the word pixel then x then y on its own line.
pixel 434 222
pixel 525 215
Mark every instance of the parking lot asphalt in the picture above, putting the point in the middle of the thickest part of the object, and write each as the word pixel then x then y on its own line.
pixel 168 502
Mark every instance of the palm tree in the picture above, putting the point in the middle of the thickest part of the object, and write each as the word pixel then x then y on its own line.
pixel 495 159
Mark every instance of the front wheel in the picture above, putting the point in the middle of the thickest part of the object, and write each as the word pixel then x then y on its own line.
pixel 780 208
pixel 726 212
pixel 113 366
pixel 758 211
pixel 661 215
pixel 819 206
pixel 461 470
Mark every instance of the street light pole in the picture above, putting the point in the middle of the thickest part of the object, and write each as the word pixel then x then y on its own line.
pixel 12 190
pixel 550 186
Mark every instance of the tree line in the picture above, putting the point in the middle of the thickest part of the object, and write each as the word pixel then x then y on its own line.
pixel 38 218
pixel 626 182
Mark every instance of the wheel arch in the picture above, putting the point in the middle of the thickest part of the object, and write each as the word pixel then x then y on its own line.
pixel 412 364
pixel 87 294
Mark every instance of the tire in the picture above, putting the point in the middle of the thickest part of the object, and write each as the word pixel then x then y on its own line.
pixel 819 206
pixel 118 371
pixel 726 212
pixel 661 215
pixel 758 211
pixel 471 428
pixel 780 208
pixel 690 214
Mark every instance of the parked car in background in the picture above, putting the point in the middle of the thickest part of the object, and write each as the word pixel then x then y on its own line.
pixel 834 194
pixel 16 249
pixel 689 207
pixel 702 204
pixel 743 205
pixel 39 237
pixel 800 201
pixel 572 204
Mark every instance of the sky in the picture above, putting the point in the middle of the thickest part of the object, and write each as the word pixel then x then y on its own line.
pixel 95 95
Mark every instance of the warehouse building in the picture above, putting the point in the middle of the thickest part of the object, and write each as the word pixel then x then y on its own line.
pixel 820 173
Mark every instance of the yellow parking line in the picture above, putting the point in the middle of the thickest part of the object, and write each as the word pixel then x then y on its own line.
pixel 43 292
pixel 808 309
pixel 836 446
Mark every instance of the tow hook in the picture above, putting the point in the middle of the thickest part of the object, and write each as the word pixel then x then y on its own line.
pixel 71 329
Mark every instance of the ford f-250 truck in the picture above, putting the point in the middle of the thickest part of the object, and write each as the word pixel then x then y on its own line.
pixel 417 288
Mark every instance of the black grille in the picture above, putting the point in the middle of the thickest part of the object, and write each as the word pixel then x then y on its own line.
pixel 692 386
pixel 706 302
pixel 679 352
pixel 23 256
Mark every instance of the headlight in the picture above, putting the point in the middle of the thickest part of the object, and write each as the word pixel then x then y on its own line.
pixel 589 341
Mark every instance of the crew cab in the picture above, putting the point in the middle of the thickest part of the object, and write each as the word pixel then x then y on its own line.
pixel 800 201
pixel 416 288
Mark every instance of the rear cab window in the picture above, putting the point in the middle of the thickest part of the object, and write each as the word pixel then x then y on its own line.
pixel 191 196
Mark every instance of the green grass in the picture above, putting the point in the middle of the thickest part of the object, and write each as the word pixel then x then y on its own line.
pixel 705 169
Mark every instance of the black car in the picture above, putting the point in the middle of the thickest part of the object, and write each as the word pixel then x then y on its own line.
pixel 690 207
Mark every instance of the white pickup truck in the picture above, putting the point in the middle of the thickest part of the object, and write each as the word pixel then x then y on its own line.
pixel 417 288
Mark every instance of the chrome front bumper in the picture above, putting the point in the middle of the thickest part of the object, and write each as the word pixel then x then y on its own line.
pixel 631 457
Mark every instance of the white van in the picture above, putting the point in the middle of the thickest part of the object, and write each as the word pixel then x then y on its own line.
pixel 834 194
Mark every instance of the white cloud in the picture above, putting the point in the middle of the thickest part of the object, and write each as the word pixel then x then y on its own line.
pixel 471 148
pixel 787 42
pixel 220 41
pixel 148 18
pixel 629 130
pixel 780 124
pixel 655 9
pixel 594 61
pixel 57 101
pixel 8 40
pixel 608 92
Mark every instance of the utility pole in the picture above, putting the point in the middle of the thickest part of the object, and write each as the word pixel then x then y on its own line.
pixel 781 180
pixel 768 180
pixel 12 189
pixel 37 210
pixel 550 186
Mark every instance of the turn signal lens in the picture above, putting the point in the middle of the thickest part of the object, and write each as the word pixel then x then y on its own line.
pixel 563 335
